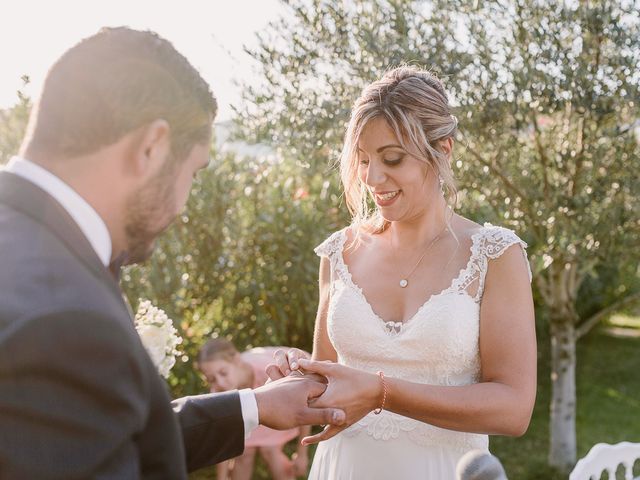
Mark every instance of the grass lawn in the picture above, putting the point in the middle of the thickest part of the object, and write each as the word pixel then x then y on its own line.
pixel 608 386
pixel 608 391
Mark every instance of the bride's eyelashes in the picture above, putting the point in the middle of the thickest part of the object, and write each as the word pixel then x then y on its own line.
pixel 387 161
pixel 393 161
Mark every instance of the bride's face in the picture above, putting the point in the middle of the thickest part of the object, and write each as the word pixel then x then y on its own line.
pixel 401 185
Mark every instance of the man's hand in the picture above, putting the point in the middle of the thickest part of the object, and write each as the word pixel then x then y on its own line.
pixel 354 391
pixel 284 404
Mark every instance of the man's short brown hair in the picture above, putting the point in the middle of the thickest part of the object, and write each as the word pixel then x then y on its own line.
pixel 114 82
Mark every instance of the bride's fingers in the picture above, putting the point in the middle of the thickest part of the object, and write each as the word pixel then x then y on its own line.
pixel 322 368
pixel 293 355
pixel 282 362
pixel 322 401
pixel 273 371
pixel 311 439
pixel 328 432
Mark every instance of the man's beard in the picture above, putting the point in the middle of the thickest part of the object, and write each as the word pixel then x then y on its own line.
pixel 147 214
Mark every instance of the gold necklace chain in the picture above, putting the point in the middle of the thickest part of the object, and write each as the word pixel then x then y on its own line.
pixel 404 282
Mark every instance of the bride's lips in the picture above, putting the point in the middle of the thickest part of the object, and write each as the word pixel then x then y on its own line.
pixel 385 199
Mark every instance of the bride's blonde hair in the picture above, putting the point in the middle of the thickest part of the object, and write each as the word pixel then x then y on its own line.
pixel 414 104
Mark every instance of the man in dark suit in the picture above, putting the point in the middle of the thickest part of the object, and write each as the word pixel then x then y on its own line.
pixel 122 126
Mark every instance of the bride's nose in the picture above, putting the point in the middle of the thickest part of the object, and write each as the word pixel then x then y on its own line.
pixel 375 175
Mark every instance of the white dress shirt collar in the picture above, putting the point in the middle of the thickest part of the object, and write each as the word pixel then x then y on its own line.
pixel 90 223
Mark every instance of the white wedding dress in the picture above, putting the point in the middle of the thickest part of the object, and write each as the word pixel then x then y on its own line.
pixel 438 346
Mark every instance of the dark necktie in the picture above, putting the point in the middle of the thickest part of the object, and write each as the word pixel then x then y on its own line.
pixel 116 265
pixel 114 269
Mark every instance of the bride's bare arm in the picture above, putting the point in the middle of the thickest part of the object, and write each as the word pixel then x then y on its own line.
pixel 501 403
pixel 322 346
pixel 503 400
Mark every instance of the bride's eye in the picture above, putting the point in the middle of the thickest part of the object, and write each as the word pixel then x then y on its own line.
pixel 393 160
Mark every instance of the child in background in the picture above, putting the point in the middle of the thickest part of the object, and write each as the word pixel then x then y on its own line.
pixel 227 369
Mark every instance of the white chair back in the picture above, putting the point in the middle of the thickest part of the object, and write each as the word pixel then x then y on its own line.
pixel 604 457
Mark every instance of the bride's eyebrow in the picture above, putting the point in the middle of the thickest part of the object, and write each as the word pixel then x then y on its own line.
pixel 383 148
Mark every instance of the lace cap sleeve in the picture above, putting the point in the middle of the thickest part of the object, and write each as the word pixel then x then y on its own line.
pixel 495 241
pixel 331 245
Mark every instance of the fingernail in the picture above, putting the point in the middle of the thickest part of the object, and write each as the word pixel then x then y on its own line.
pixel 338 416
pixel 294 365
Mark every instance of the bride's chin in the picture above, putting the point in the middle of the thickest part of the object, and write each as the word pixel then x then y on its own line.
pixel 393 214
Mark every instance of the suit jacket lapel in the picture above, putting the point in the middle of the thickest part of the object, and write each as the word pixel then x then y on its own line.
pixel 29 199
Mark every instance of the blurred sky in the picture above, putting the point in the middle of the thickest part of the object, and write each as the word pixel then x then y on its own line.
pixel 210 33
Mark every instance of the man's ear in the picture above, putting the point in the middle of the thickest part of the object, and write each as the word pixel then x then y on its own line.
pixel 153 148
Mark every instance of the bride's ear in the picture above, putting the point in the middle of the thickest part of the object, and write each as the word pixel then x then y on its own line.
pixel 446 147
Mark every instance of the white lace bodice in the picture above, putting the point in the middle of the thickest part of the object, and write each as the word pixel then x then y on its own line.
pixel 438 345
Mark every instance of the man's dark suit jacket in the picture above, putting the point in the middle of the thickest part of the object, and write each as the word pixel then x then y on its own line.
pixel 79 396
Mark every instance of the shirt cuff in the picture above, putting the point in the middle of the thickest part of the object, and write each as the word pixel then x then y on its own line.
pixel 249 408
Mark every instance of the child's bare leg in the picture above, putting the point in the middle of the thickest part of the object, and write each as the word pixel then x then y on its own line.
pixel 243 465
pixel 280 466
pixel 222 470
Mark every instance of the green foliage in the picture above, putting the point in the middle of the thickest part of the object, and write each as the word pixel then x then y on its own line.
pixel 315 60
pixel 13 124
pixel 239 261
pixel 550 103
pixel 608 410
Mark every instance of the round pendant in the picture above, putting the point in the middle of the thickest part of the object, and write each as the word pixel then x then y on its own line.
pixel 403 283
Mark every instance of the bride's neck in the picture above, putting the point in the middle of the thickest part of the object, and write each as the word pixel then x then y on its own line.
pixel 420 231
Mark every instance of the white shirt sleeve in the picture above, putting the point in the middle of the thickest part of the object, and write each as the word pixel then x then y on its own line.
pixel 249 408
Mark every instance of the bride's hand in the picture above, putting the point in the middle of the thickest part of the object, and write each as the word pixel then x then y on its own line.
pixel 351 390
pixel 285 362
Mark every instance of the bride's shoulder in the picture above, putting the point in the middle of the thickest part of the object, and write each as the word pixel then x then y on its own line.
pixel 468 229
pixel 333 243
pixel 465 230
pixel 496 234
pixel 487 238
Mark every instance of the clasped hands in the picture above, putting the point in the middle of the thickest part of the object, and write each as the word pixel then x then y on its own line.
pixel 351 393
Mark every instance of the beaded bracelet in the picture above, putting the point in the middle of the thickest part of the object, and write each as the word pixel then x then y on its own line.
pixel 378 410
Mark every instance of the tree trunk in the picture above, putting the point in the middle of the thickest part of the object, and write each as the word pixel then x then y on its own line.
pixel 562 451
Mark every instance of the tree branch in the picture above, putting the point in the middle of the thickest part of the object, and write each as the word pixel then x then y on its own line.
pixel 586 326
pixel 544 159
pixel 509 186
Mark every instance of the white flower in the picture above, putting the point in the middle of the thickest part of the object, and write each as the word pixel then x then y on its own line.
pixel 158 335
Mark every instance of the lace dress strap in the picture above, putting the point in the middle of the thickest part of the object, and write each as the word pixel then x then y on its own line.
pixel 332 249
pixel 490 243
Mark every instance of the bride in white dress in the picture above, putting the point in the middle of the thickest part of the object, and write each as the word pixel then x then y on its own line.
pixel 428 316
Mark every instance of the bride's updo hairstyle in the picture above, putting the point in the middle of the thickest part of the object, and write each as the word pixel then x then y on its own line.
pixel 414 104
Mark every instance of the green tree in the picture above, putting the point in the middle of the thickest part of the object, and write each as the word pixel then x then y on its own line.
pixel 13 124
pixel 239 261
pixel 547 96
